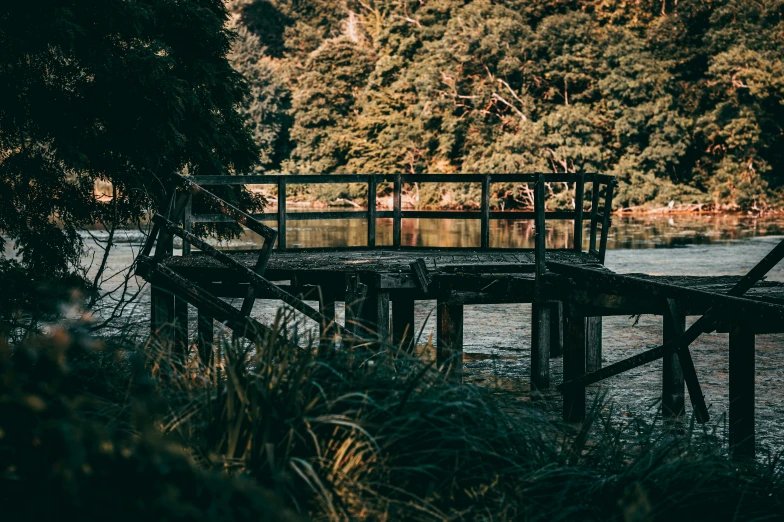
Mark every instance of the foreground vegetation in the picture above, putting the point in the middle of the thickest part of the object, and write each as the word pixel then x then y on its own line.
pixel 681 100
pixel 271 432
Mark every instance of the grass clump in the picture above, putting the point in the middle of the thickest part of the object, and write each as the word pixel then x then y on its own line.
pixel 358 434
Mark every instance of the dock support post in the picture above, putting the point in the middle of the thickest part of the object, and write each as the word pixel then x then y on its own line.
pixel 449 347
pixel 180 327
pixel 376 316
pixel 356 293
pixel 556 330
pixel 327 329
pixel 673 391
pixel 403 324
pixel 162 316
pixel 574 363
pixel 742 374
pixel 206 338
pixel 593 343
pixel 540 345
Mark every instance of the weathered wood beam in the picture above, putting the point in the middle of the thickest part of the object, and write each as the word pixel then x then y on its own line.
pixel 673 391
pixel 608 282
pixel 371 217
pixel 206 337
pixel 403 324
pixel 419 269
pixel 449 333
pixel 327 330
pixel 485 211
pixel 540 235
pixel 706 323
pixel 556 330
pixel 356 292
pixel 593 343
pixel 238 268
pixel 574 364
pixel 579 196
pixel 397 206
pixel 282 213
pixel 168 280
pixel 741 391
pixel 540 345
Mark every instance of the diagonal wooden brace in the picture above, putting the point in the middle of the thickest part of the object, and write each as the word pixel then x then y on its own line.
pixel 706 323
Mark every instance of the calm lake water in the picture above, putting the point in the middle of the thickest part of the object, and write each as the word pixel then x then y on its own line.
pixel 497 337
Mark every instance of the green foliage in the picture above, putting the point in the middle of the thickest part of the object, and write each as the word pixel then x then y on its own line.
pixel 270 426
pixel 61 458
pixel 681 100
pixel 121 92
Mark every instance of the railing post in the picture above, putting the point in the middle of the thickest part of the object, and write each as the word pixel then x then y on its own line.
pixel 396 207
pixel 539 237
pixel 371 227
pixel 281 213
pixel 485 209
pixel 187 224
pixel 594 213
pixel 606 219
pixel 579 194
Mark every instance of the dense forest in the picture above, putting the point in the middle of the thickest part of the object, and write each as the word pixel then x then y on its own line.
pixel 683 100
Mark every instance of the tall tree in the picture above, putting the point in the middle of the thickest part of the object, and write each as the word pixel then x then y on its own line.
pixel 121 92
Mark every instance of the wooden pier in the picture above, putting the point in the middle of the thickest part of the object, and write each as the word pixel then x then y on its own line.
pixel 570 289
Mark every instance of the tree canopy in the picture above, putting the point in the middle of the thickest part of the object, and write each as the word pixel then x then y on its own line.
pixel 683 101
pixel 125 93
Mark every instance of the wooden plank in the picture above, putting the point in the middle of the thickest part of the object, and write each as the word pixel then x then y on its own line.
pixel 511 215
pixel 574 364
pixel 421 274
pixel 485 210
pixel 327 330
pixel 181 339
pixel 162 312
pixel 238 268
pixel 673 391
pixel 608 198
pixel 540 345
pixel 741 390
pixel 377 316
pixel 187 224
pixel 282 213
pixel 272 179
pixel 206 337
pixel 165 244
pixel 449 347
pixel 595 188
pixel 356 292
pixel 397 206
pixel 593 343
pixel 540 235
pixel 629 285
pixel 403 324
pixel 371 230
pixel 171 282
pixel 579 196
pixel 556 330
pixel 240 216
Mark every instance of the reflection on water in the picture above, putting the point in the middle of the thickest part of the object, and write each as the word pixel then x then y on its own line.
pixel 627 232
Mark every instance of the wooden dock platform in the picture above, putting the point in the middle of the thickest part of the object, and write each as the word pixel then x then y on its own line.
pixel 570 290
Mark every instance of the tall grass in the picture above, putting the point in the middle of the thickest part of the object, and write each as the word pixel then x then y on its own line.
pixel 361 434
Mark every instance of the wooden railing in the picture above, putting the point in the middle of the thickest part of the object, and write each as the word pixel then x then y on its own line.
pixel 601 187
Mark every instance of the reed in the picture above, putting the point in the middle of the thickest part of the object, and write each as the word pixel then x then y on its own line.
pixel 378 435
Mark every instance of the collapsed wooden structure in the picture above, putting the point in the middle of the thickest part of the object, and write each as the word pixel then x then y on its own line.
pixel 570 289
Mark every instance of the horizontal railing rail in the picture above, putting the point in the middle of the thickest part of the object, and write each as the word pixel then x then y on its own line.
pixel 599 218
